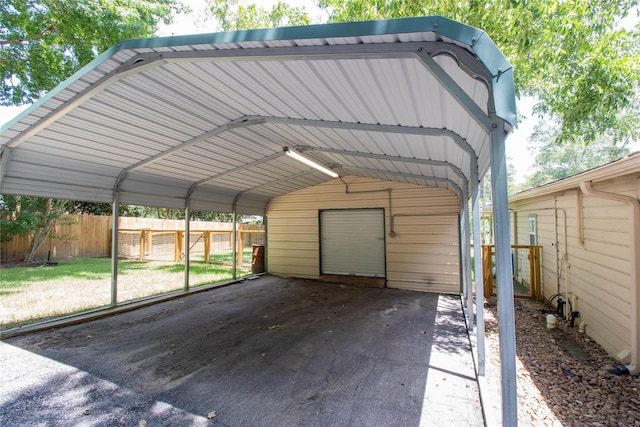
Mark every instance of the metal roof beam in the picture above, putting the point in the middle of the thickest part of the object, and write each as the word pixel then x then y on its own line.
pixel 299 53
pixel 429 162
pixel 241 122
pixel 371 127
pixel 454 187
pixel 5 156
pixel 407 130
pixel 463 56
pixel 455 90
pixel 246 121
pixel 147 60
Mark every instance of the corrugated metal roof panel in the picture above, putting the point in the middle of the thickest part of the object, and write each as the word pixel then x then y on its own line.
pixel 209 115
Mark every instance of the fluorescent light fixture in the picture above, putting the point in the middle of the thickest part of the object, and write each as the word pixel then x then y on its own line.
pixel 311 163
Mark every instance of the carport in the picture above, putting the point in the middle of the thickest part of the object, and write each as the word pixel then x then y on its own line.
pixel 213 122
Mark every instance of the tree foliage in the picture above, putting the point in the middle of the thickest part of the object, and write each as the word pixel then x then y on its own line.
pixel 569 54
pixel 553 162
pixel 21 215
pixel 235 15
pixel 42 42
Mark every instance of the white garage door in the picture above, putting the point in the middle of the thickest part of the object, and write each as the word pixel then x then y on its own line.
pixel 352 242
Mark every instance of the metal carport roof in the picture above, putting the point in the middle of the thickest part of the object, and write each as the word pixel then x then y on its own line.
pixel 208 116
pixel 203 121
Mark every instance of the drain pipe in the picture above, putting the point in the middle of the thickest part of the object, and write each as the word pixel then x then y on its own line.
pixel 634 219
pixel 579 227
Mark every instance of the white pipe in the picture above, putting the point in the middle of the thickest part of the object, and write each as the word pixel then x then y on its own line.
pixel 580 231
pixel 567 312
pixel 555 237
pixel 634 220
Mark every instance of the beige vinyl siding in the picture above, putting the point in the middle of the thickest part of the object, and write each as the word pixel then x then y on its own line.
pixel 599 272
pixel 423 256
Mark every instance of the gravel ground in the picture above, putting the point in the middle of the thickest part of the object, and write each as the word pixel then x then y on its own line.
pixel 562 374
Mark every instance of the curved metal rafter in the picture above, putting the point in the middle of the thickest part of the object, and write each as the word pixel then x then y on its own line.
pixel 408 130
pixel 142 61
pixel 371 127
pixel 454 187
pixel 5 156
pixel 429 162
pixel 246 121
pixel 455 90
pixel 233 124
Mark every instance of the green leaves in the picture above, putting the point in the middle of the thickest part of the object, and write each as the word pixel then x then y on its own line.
pixel 554 162
pixel 42 42
pixel 21 215
pixel 234 15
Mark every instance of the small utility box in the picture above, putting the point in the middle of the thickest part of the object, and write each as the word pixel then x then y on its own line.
pixel 257 259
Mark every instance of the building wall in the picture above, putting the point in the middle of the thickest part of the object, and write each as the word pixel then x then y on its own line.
pixel 595 272
pixel 424 255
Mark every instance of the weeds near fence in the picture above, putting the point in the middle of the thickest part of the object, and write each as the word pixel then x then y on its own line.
pixel 32 294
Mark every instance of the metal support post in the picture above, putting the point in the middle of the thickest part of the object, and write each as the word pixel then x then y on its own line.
pixel 466 254
pixel 506 318
pixel 187 244
pixel 234 244
pixel 477 256
pixel 115 208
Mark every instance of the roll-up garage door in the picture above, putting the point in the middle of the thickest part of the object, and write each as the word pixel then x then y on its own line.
pixel 352 242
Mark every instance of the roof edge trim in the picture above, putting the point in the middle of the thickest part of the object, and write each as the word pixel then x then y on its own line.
pixel 626 165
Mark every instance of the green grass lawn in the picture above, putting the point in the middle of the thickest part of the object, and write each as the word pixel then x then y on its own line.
pixel 226 257
pixel 31 294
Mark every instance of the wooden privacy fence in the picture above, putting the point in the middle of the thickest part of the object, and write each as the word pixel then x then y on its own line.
pixel 169 245
pixel 73 236
pixel 525 263
pixel 88 236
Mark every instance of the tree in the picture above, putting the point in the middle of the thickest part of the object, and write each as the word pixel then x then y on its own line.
pixel 555 162
pixel 234 15
pixel 42 42
pixel 20 215
pixel 569 54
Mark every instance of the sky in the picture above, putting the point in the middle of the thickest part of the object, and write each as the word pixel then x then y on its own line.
pixel 516 145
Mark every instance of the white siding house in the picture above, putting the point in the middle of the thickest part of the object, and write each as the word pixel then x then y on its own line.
pixel 587 226
pixel 420 234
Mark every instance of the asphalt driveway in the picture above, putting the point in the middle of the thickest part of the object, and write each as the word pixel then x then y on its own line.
pixel 264 352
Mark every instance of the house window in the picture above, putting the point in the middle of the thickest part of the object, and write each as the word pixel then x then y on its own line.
pixel 533 235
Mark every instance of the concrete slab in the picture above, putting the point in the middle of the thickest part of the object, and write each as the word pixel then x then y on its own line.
pixel 452 391
pixel 267 352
